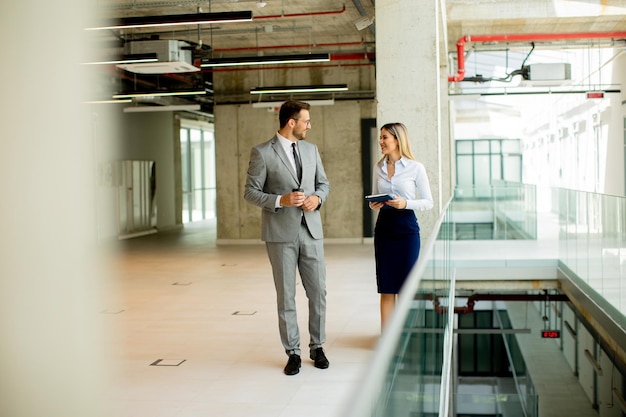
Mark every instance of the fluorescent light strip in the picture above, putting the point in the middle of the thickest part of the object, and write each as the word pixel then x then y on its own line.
pixel 264 60
pixel 300 89
pixel 182 107
pixel 176 20
pixel 275 104
pixel 108 101
pixel 160 94
pixel 128 59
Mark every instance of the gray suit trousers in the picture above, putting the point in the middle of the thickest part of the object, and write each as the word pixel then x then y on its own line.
pixel 284 259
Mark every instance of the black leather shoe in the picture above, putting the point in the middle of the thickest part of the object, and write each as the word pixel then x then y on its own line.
pixel 293 364
pixel 319 358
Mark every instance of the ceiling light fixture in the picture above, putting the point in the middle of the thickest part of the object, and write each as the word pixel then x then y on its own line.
pixel 277 104
pixel 264 59
pixel 175 20
pixel 300 89
pixel 363 22
pixel 180 107
pixel 128 59
pixel 161 94
pixel 108 101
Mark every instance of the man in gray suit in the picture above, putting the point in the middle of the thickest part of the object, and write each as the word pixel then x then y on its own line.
pixel 286 179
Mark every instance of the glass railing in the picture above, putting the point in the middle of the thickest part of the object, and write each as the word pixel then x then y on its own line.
pixel 524 395
pixel 502 210
pixel 592 245
pixel 477 404
pixel 411 370
pixel 405 376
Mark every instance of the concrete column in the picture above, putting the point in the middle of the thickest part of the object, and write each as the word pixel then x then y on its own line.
pixel 408 84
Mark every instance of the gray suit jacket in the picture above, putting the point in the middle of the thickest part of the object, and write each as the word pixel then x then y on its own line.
pixel 271 174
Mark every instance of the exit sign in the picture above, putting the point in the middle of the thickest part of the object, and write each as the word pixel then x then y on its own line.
pixel 550 334
pixel 595 94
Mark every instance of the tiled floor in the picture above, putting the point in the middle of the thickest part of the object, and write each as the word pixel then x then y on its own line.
pixel 209 313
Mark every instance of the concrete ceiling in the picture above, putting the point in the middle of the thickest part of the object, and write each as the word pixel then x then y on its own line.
pixel 304 26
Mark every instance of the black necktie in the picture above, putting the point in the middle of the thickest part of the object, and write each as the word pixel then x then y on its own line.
pixel 298 162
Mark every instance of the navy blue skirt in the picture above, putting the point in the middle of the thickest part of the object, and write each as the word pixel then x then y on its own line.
pixel 396 247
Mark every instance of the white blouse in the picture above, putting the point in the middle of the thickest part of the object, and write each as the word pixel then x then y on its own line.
pixel 409 181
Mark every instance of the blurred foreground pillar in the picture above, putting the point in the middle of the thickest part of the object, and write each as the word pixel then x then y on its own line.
pixel 51 348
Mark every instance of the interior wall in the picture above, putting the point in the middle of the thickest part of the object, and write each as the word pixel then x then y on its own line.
pixel 105 128
pixel 336 130
pixel 568 340
pixel 135 136
pixel 153 137
pixel 614 168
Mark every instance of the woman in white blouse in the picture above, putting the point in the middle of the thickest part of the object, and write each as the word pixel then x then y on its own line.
pixel 397 232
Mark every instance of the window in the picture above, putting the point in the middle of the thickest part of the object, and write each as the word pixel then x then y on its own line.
pixel 197 149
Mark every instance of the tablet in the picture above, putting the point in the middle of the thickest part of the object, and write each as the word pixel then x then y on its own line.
pixel 379 197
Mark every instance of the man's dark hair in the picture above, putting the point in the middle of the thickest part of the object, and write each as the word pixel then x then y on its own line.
pixel 290 110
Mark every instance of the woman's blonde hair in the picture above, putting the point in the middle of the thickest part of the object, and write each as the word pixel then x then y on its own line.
pixel 399 131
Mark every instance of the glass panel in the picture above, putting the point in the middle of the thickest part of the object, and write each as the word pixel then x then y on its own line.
pixel 592 249
pixel 137 193
pixel 467 354
pixel 512 168
pixel 483 359
pixel 464 147
pixel 198 174
pixel 210 181
pixel 209 159
pixel 511 146
pixel 481 146
pixel 592 244
pixel 482 171
pixel 184 157
pixel 482 176
pixel 465 171
pixel 496 167
pixel 185 164
pixel 410 374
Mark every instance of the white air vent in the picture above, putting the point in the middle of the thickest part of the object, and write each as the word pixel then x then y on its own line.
pixel 173 57
pixel 547 74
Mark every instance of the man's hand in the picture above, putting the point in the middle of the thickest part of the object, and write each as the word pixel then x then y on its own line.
pixel 293 199
pixel 311 203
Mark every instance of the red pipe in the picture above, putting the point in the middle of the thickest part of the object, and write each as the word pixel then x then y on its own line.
pixel 472 299
pixel 278 16
pixel 460 43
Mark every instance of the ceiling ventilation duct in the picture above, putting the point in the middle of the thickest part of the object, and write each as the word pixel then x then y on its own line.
pixel 173 56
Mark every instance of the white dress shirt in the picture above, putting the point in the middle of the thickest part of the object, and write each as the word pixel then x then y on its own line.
pixel 286 144
pixel 409 181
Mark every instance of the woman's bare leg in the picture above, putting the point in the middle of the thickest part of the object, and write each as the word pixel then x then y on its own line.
pixel 387 304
